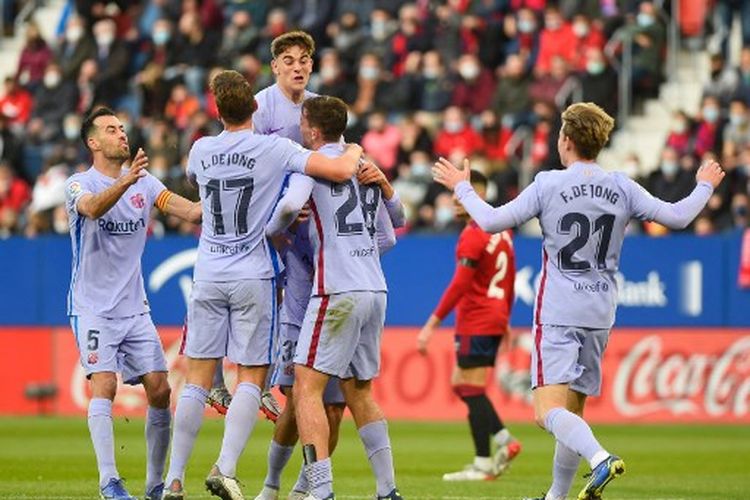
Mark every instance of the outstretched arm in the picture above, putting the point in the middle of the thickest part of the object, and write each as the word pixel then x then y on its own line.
pixel 492 220
pixel 677 215
pixel 334 169
pixel 173 204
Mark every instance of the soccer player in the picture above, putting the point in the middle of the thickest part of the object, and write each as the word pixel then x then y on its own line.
pixel 348 295
pixel 482 291
pixel 231 312
pixel 583 211
pixel 109 208
pixel 299 283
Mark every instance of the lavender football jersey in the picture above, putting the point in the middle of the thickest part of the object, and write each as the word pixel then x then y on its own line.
pixel 583 211
pixel 277 115
pixel 342 231
pixel 106 278
pixel 240 175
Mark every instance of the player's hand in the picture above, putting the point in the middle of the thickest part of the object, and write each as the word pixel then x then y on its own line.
pixel 137 168
pixel 302 216
pixel 711 172
pixel 423 339
pixel 445 173
pixel 369 173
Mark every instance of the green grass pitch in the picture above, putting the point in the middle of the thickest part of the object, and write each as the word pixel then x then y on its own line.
pixel 53 458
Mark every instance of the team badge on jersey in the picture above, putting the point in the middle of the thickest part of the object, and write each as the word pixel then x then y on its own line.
pixel 137 200
pixel 74 188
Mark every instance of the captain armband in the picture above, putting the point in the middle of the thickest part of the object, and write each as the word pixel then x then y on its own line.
pixel 163 199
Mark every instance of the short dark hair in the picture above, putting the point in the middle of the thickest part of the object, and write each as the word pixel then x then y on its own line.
pixel 292 39
pixel 479 178
pixel 328 114
pixel 88 123
pixel 234 97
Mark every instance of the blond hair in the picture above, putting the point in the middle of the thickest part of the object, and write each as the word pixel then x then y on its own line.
pixel 588 127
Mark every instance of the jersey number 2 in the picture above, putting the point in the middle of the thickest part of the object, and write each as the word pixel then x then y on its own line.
pixel 495 289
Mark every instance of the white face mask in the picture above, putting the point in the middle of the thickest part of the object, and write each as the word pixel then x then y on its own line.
pixel 369 72
pixel 443 216
pixel 71 132
pixel 52 79
pixel 105 38
pixel 73 34
pixel 420 170
pixel 453 127
pixel 580 29
pixel 329 72
pixel 469 71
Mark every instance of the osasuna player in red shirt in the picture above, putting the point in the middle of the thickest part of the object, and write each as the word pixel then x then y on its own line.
pixel 482 294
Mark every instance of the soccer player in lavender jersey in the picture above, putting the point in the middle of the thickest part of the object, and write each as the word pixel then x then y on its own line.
pixel 481 291
pixel 300 269
pixel 583 211
pixel 109 208
pixel 232 304
pixel 348 294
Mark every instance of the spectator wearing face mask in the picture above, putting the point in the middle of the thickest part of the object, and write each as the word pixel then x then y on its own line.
pixel 599 82
pixel 110 82
pixel 723 79
pixel 457 135
pixel 511 101
pixel 708 131
pixel 331 78
pixel 348 38
pixel 528 37
pixel 76 46
pixel 434 87
pixel 680 133
pixel 377 90
pixel 587 36
pixel 648 37
pixel 411 36
pixel 241 36
pixel 381 141
pixel 737 132
pixel 382 29
pixel 53 100
pixel 474 86
pixel 557 39
pixel 34 58
pixel 670 182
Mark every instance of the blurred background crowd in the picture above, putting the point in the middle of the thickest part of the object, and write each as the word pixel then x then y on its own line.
pixel 484 79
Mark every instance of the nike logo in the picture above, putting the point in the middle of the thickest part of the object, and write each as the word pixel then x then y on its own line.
pixel 274 130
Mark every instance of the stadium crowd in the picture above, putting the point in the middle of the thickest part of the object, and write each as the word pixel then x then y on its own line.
pixel 485 79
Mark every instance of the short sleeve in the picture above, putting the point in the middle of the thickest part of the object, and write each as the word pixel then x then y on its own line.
pixel 75 187
pixel 154 187
pixel 295 156
pixel 471 244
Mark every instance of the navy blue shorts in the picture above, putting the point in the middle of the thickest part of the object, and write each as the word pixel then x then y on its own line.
pixel 473 351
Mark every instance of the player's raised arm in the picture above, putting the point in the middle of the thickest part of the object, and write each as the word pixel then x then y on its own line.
pixel 173 204
pixel 94 206
pixel 490 219
pixel 297 194
pixel 335 169
pixel 680 214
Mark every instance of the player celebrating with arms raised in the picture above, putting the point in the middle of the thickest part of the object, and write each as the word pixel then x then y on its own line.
pixel 109 208
pixel 482 291
pixel 583 211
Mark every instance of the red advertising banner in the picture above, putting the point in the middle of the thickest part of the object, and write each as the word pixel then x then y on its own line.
pixel 649 375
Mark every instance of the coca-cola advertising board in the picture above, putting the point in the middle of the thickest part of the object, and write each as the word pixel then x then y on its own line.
pixel 649 375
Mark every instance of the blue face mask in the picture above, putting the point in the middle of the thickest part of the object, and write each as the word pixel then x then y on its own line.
pixel 444 216
pixel 710 114
pixel 669 168
pixel 644 20
pixel 161 37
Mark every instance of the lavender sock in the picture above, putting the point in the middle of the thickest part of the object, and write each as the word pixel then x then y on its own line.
pixel 301 485
pixel 564 468
pixel 188 418
pixel 320 477
pixel 278 457
pixel 573 432
pixel 157 443
pixel 378 448
pixel 238 425
pixel 103 437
